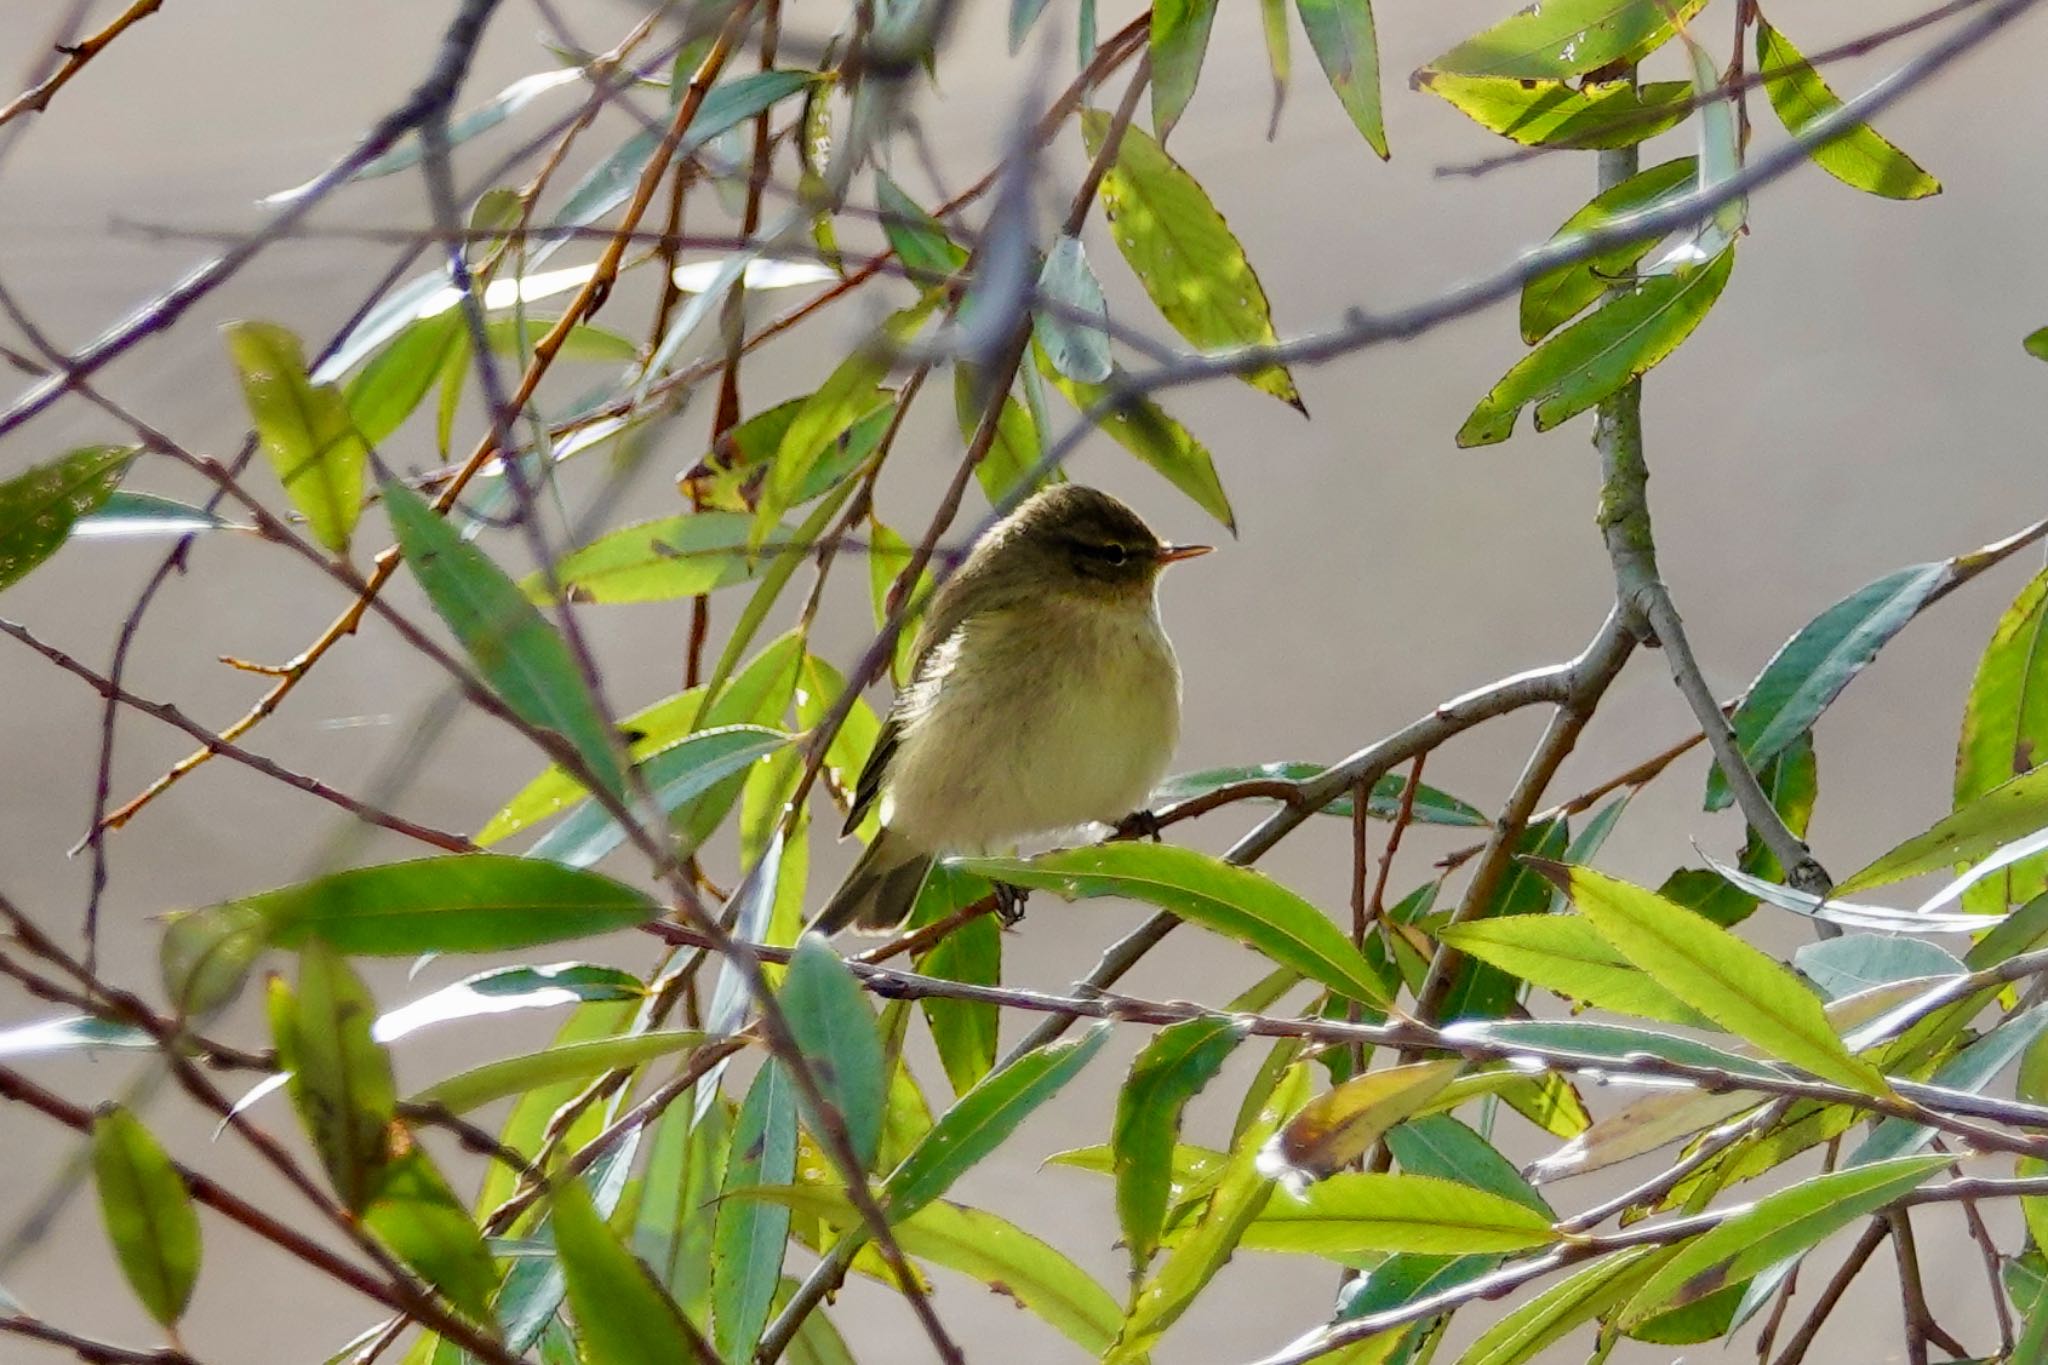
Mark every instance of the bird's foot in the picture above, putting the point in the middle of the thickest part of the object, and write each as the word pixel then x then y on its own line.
pixel 1139 824
pixel 1010 904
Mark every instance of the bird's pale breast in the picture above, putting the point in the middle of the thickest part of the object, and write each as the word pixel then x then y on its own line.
pixel 1068 715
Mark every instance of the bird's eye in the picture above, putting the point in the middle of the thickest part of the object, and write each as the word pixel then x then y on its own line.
pixel 1111 554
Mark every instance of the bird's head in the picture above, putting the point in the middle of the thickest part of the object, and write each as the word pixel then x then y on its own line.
pixel 1081 541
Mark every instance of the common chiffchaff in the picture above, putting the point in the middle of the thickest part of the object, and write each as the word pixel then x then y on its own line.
pixel 1043 695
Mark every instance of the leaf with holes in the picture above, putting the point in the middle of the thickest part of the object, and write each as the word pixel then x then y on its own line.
pixel 40 506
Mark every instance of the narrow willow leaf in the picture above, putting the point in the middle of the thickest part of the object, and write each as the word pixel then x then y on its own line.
pixel 1439 1145
pixel 1856 156
pixel 385 392
pixel 979 1121
pixel 1856 962
pixel 1781 1223
pixel 2005 730
pixel 694 784
pixel 1594 357
pixel 504 989
pixel 132 516
pixel 1341 33
pixel 1601 114
pixel 1810 670
pixel 526 1127
pixel 966 1032
pixel 340 1078
pixel 623 1316
pixel 1023 14
pixel 1719 975
pixel 1522 1335
pixel 2008 812
pixel 460 903
pixel 479 1085
pixel 40 506
pixel 1013 456
pixel 206 955
pixel 1477 990
pixel 1969 1071
pixel 417 1215
pixel 1606 1042
pixel 833 1027
pixel 1242 1193
pixel 1352 1212
pixel 1233 901
pixel 679 1209
pixel 1563 38
pixel 655 561
pixel 517 652
pixel 1430 807
pixel 1142 427
pixel 748 1243
pixel 1170 1071
pixel 1071 332
pixel 1191 264
pixel 888 556
pixel 1180 39
pixel 2035 343
pixel 305 428
pixel 1335 1129
pixel 920 242
pixel 981 1245
pixel 1566 954
pixel 148 1213
pixel 71 1033
pixel 1554 297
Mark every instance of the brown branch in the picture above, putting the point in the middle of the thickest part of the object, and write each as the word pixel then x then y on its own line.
pixel 85 1348
pixel 37 98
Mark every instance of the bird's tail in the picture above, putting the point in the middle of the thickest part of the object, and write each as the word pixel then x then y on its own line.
pixel 880 891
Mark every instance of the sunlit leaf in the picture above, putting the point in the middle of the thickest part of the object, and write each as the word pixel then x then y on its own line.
pixel 305 429
pixel 1561 38
pixel 416 1214
pixel 1558 114
pixel 2010 811
pixel 1184 254
pixel 381 395
pixel 1856 962
pixel 1566 954
pixel 697 775
pixel 2005 730
pixel 1856 156
pixel 1333 1130
pixel 1170 1071
pixel 655 561
pixel 1144 428
pixel 1588 1293
pixel 40 507
pixel 1233 901
pixel 1555 296
pixel 1352 1212
pixel 623 1316
pixel 148 1213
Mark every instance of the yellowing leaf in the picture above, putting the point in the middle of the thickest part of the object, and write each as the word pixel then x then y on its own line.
pixel 1335 1129
pixel 1856 156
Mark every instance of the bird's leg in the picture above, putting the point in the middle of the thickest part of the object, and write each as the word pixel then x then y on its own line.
pixel 1139 824
pixel 1010 903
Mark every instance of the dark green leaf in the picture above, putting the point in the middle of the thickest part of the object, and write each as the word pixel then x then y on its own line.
pixel 1558 114
pixel 1180 39
pixel 1521 1335
pixel 1608 1042
pixel 623 1317
pixel 2008 812
pixel 1555 296
pixel 418 1217
pixel 835 1030
pixel 747 1247
pixel 697 774
pixel 1341 32
pixel 515 650
pixel 1595 356
pixel 340 1078
pixel 1856 156
pixel 1233 901
pixel 1969 1071
pixel 965 1032
pixel 928 254
pixel 1170 1071
pixel 1439 1145
pixel 1561 38
pixel 1182 251
pixel 39 507
pixel 1431 807
pixel 148 1213
pixel 305 428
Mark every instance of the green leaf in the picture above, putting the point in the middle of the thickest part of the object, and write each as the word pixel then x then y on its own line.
pixel 1142 427
pixel 655 561
pixel 1594 357
pixel 527 1126
pixel 1856 962
pixel 126 516
pixel 623 1316
pixel 417 1215
pixel 1170 1071
pixel 386 391
pixel 148 1213
pixel 39 506
pixel 305 429
pixel 2036 343
pixel 460 903
pixel 747 1245
pixel 679 1209
pixel 1600 114
pixel 1566 954
pixel 504 989
pixel 1233 901
pixel 919 241
pixel 1341 32
pixel 1856 156
pixel 479 1085
pixel 694 782
pixel 2005 731
pixel 984 1247
pixel 1810 670
pixel 1431 807
pixel 2007 812
pixel 1561 38
pixel 206 955
pixel 1969 1071
pixel 1352 1212
pixel 981 1119
pixel 517 652
pixel 1335 1130
pixel 1780 1224
pixel 1184 254
pixel 1013 456
pixel 1554 297
pixel 1180 39
pixel 1719 975
pixel 1439 1145
pixel 888 556
pixel 1608 1042
pixel 966 1032
pixel 340 1078
pixel 1072 335
pixel 71 1033
pixel 1541 1322
pixel 835 1030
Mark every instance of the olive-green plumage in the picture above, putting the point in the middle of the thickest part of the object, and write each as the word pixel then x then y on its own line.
pixel 1043 695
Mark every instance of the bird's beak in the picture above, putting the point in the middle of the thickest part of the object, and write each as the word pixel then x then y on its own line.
pixel 1172 554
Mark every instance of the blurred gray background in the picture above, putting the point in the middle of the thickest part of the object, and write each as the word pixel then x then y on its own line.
pixel 1857 401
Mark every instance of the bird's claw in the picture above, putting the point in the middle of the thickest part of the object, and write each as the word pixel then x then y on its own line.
pixel 1139 824
pixel 1010 904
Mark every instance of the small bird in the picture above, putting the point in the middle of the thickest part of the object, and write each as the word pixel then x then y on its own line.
pixel 1044 695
